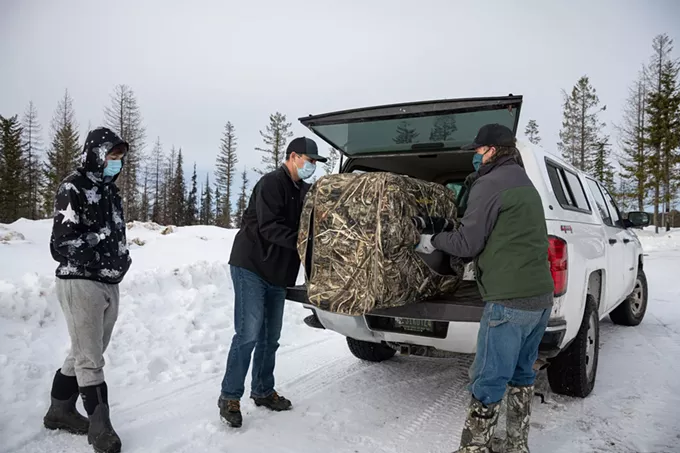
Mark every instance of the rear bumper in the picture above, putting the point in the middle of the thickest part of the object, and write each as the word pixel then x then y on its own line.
pixel 553 338
pixel 457 325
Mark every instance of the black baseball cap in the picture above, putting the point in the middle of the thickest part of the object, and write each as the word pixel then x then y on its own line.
pixel 492 135
pixel 304 145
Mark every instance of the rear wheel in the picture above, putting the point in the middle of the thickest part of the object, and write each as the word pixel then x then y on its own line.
pixel 633 309
pixel 371 352
pixel 573 371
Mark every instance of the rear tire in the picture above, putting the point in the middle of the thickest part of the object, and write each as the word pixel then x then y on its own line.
pixel 633 309
pixel 371 352
pixel 574 370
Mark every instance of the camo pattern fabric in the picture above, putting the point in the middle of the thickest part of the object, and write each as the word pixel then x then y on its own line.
pixel 518 418
pixel 360 237
pixel 480 425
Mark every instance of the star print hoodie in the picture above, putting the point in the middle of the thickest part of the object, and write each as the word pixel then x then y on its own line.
pixel 88 233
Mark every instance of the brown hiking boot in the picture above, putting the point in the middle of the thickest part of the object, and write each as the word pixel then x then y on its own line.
pixel 230 412
pixel 274 402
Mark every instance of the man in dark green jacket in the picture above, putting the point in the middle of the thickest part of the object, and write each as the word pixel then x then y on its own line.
pixel 504 231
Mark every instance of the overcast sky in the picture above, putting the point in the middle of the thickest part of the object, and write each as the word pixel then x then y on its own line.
pixel 194 65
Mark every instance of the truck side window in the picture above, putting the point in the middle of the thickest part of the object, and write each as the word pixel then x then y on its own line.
pixel 613 209
pixel 577 191
pixel 599 201
pixel 568 189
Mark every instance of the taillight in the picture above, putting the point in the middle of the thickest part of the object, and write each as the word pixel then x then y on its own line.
pixel 557 255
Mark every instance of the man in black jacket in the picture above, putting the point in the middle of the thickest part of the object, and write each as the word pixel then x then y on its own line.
pixel 264 261
pixel 88 240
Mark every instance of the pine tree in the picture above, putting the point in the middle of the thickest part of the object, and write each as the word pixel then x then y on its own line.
pixel 634 159
pixel 601 165
pixel 225 174
pixel 64 154
pixel 531 131
pixel 33 149
pixel 626 196
pixel 178 193
pixel 156 161
pixel 444 127
pixel 124 117
pixel 206 203
pixel 169 205
pixel 145 204
pixel 580 125
pixel 662 135
pixel 217 213
pixel 191 212
pixel 209 216
pixel 661 129
pixel 242 202
pixel 333 157
pixel 13 193
pixel 405 133
pixel 275 138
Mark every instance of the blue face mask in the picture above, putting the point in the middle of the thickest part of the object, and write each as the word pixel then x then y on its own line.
pixel 307 170
pixel 477 161
pixel 113 168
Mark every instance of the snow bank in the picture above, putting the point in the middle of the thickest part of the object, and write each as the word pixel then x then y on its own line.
pixel 8 235
pixel 658 242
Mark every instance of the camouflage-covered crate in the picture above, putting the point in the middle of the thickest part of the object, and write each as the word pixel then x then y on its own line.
pixel 357 242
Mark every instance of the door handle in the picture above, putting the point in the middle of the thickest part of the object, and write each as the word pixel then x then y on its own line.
pixel 626 241
pixel 613 241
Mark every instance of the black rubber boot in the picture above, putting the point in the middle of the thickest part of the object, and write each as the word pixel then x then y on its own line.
pixel 230 412
pixel 62 413
pixel 101 434
pixel 274 402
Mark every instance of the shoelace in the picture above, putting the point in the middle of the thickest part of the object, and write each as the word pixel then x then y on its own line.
pixel 234 406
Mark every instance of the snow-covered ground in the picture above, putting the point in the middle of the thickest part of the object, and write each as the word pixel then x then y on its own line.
pixel 168 352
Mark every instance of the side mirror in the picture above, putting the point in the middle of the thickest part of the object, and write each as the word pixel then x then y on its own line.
pixel 638 219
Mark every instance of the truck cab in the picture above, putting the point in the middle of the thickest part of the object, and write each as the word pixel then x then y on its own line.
pixel 595 257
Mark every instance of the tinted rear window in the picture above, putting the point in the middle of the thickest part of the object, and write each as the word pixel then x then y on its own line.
pixel 449 131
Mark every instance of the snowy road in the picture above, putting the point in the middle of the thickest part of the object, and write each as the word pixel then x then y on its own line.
pixel 164 390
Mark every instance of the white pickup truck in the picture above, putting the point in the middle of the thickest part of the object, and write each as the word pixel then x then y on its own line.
pixel 595 257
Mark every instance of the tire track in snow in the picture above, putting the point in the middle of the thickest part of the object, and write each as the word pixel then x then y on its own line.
pixel 443 415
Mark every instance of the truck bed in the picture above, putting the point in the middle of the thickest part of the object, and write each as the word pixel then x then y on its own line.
pixel 465 305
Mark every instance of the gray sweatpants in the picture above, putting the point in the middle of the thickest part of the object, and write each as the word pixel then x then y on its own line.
pixel 91 310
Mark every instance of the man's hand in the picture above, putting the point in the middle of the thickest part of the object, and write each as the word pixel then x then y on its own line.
pixel 425 244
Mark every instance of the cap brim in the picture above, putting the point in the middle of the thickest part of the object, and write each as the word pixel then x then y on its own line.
pixel 317 158
pixel 470 147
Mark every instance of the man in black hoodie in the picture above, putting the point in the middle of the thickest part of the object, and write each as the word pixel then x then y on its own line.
pixel 88 240
pixel 264 261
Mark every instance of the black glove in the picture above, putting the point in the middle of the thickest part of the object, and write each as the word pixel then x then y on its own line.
pixel 433 225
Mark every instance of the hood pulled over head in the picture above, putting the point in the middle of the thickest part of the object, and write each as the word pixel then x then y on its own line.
pixel 98 144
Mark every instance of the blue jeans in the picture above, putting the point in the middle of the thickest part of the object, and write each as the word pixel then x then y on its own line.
pixel 258 318
pixel 507 347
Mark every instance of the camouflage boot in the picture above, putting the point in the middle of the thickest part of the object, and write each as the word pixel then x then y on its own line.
pixel 518 417
pixel 230 412
pixel 479 427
